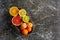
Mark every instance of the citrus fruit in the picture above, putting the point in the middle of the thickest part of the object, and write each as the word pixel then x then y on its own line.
pixel 25 32
pixel 29 29
pixel 25 19
pixel 16 20
pixel 14 11
pixel 23 26
pixel 22 12
pixel 29 24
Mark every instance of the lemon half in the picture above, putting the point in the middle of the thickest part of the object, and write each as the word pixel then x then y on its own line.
pixel 22 12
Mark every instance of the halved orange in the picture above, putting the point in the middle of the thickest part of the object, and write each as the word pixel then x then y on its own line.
pixel 14 11
pixel 16 20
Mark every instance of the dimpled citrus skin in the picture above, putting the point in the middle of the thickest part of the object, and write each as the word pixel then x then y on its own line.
pixel 21 28
pixel 26 19
pixel 29 24
pixel 23 25
pixel 25 32
pixel 22 12
pixel 16 20
pixel 29 29
pixel 14 11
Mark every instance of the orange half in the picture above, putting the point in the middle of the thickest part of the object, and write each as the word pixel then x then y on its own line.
pixel 14 11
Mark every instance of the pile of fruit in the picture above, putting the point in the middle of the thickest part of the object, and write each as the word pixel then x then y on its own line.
pixel 21 19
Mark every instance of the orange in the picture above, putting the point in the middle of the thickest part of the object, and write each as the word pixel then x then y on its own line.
pixel 29 24
pixel 14 11
pixel 23 25
pixel 29 29
pixel 16 20
pixel 25 32
pixel 21 28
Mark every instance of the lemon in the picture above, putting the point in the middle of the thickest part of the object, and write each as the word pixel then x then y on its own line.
pixel 22 12
pixel 14 11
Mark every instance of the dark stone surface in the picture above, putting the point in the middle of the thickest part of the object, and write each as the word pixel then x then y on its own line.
pixel 43 14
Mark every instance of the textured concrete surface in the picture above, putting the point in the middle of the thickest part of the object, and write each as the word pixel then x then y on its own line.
pixel 45 15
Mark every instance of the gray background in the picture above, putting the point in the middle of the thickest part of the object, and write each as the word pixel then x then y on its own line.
pixel 45 15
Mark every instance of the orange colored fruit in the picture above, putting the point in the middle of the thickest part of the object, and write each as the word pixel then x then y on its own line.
pixel 24 25
pixel 29 24
pixel 25 32
pixel 16 20
pixel 29 29
pixel 22 28
pixel 14 11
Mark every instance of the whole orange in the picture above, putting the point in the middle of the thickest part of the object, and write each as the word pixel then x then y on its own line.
pixel 25 32
pixel 29 29
pixel 21 28
pixel 24 25
pixel 29 24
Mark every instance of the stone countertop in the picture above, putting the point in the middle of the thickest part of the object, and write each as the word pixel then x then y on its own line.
pixel 44 14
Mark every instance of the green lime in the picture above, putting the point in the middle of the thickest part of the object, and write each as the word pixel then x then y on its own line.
pixel 26 19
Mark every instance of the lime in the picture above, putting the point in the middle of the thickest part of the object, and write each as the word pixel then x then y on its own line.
pixel 26 19
pixel 22 12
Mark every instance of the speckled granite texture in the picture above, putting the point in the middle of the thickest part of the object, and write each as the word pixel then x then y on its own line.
pixel 43 14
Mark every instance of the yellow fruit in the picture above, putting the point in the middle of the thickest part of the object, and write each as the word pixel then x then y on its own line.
pixel 25 32
pixel 22 12
pixel 14 11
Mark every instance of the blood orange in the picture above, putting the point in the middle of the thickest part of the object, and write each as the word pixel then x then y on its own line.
pixel 16 20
